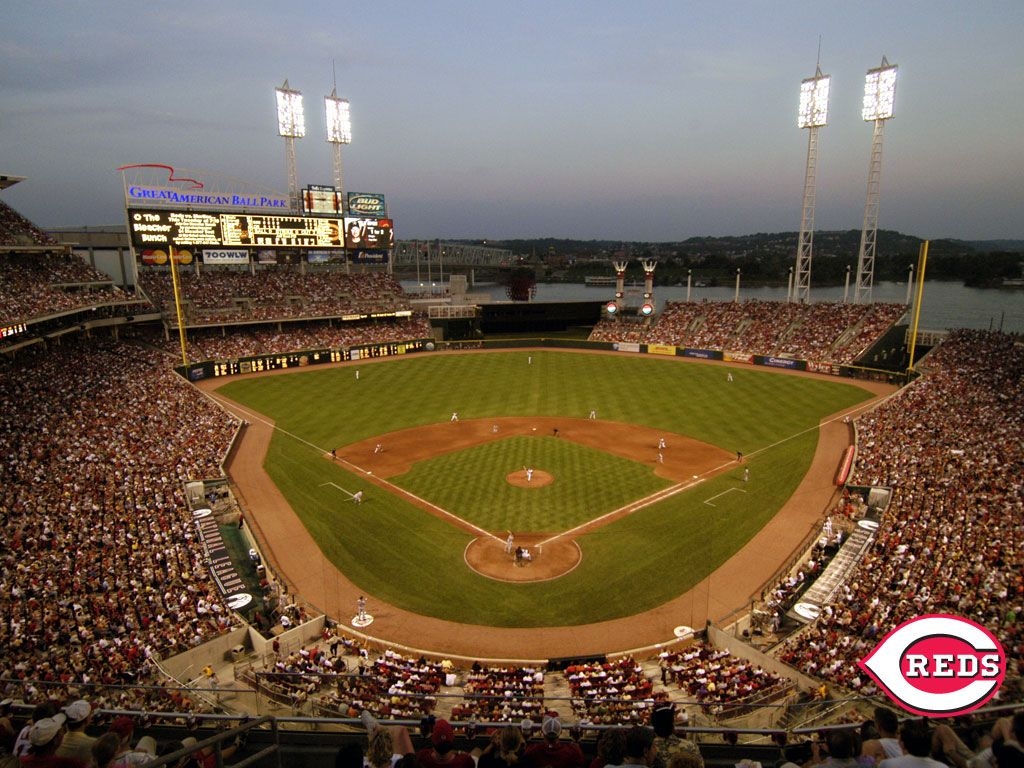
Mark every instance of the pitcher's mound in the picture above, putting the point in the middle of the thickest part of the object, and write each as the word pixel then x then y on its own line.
pixel 538 479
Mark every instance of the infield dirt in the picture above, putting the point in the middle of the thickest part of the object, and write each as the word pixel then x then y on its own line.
pixel 291 551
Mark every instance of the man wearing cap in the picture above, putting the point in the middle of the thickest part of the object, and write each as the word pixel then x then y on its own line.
pixel 76 742
pixel 552 753
pixel 44 737
pixel 442 752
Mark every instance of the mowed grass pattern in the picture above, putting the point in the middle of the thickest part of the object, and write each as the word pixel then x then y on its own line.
pixel 587 484
pixel 398 553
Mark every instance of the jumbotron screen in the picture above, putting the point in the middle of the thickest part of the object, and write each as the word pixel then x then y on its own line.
pixel 154 228
pixel 369 234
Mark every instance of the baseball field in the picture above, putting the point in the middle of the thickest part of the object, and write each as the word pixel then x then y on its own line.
pixel 614 524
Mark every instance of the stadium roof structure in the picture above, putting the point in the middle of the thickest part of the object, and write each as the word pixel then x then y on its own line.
pixel 6 180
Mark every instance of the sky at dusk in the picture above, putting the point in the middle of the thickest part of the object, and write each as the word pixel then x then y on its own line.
pixel 640 120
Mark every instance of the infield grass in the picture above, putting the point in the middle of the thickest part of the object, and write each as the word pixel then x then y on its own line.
pixel 414 560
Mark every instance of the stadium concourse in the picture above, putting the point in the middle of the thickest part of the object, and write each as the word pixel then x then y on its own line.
pixel 105 580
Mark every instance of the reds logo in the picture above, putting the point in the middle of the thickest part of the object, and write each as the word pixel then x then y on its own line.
pixel 937 665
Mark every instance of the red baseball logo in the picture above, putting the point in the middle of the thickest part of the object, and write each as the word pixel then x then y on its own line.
pixel 938 665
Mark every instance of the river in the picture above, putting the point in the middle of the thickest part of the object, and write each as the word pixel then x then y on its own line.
pixel 944 304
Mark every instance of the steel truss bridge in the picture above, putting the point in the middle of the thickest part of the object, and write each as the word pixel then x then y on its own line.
pixel 411 252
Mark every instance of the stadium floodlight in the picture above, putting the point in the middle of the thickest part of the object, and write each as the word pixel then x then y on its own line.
pixel 291 122
pixel 879 92
pixel 812 115
pixel 339 123
pixel 291 125
pixel 879 100
pixel 339 131
pixel 813 111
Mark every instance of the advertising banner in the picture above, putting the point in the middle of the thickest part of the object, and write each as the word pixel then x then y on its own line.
pixel 367 204
pixel 661 349
pixel 703 354
pixel 219 256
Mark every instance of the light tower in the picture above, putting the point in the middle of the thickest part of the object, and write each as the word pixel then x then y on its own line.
pixel 339 131
pixel 291 124
pixel 879 99
pixel 647 308
pixel 612 307
pixel 812 115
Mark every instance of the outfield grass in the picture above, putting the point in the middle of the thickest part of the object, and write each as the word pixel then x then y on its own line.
pixel 398 553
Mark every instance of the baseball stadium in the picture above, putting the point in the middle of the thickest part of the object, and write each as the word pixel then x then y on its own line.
pixel 261 496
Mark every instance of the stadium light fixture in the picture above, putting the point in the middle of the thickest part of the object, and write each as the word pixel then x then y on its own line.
pixel 339 122
pixel 291 121
pixel 879 100
pixel 813 111
pixel 879 92
pixel 812 114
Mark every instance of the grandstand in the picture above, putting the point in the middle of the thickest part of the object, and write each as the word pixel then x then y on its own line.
pixel 111 592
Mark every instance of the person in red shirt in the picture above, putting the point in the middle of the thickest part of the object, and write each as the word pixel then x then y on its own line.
pixel 442 752
pixel 552 753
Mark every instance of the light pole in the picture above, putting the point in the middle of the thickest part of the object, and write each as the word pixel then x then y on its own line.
pixel 339 132
pixel 291 125
pixel 812 115
pixel 879 100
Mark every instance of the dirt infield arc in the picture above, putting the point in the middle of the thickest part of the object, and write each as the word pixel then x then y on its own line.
pixel 386 456
pixel 291 550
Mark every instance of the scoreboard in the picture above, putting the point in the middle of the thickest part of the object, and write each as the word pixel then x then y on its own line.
pixel 150 228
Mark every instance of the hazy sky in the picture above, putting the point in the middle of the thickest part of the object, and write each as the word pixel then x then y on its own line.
pixel 636 120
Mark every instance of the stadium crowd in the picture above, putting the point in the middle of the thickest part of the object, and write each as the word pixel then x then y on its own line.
pixel 43 284
pixel 16 230
pixel 215 296
pixel 102 573
pixel 227 343
pixel 99 560
pixel 823 331
pixel 949 445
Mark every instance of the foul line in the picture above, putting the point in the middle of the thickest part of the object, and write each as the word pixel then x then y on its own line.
pixel 626 509
pixel 232 406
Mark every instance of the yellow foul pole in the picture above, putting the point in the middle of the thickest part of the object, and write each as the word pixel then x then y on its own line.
pixel 922 260
pixel 177 304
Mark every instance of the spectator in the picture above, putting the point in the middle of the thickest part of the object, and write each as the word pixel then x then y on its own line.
pixel 44 738
pixel 916 740
pixel 611 748
pixel 505 749
pixel 442 752
pixel 641 750
pixel 668 744
pixel 104 749
pixel 126 755
pixel 552 753
pixel 887 744
pixel 77 743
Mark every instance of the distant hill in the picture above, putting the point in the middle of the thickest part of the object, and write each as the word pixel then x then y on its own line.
pixel 991 246
pixel 767 257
